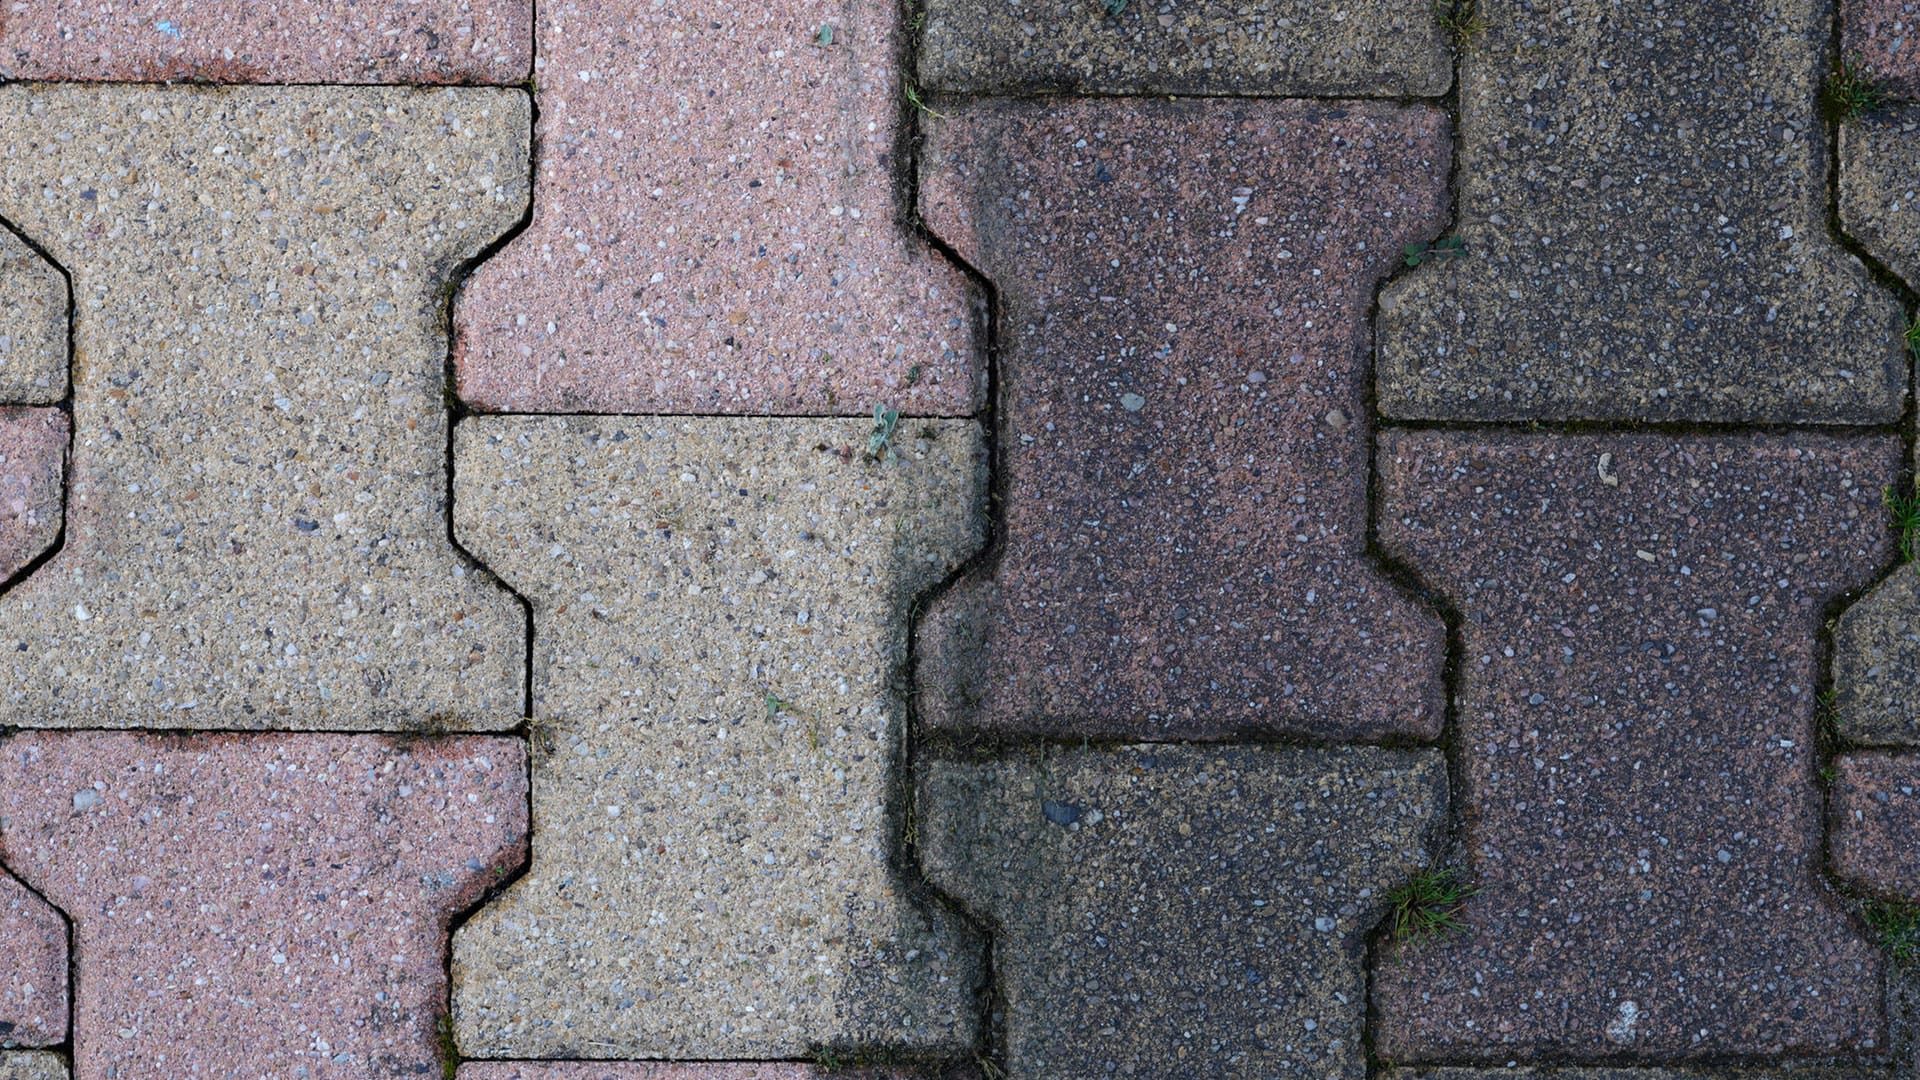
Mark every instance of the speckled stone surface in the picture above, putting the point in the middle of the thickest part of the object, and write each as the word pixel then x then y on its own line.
pixel 1184 419
pixel 1718 1072
pixel 642 1070
pixel 1644 211
pixel 33 969
pixel 1180 910
pixel 33 448
pixel 1876 664
pixel 720 609
pixel 256 531
pixel 1883 37
pixel 1880 187
pixel 260 904
pixel 32 1065
pixel 717 227
pixel 33 325
pixel 1640 617
pixel 1876 823
pixel 231 41
pixel 1357 48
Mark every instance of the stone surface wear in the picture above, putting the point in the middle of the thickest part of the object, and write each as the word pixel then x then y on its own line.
pixel 1184 421
pixel 717 225
pixel 1880 187
pixel 231 41
pixel 1639 615
pixel 1304 48
pixel 33 969
pixel 720 611
pixel 1644 213
pixel 260 905
pixel 32 1065
pixel 256 531
pixel 33 325
pixel 1882 37
pixel 33 450
pixel 641 1070
pixel 1876 823
pixel 1637 1072
pixel 1165 910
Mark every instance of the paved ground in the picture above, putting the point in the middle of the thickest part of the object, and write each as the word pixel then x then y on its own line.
pixel 602 540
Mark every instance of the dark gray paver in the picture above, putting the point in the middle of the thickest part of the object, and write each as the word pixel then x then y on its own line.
pixel 1880 187
pixel 1643 205
pixel 1840 1072
pixel 1183 418
pixel 1166 910
pixel 1640 618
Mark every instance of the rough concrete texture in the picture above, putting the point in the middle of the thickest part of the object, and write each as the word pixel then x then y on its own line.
pixel 720 609
pixel 1880 187
pixel 642 1070
pixel 1184 419
pixel 718 227
pixel 1181 910
pixel 1639 615
pixel 260 903
pixel 256 531
pixel 1643 206
pixel 1359 48
pixel 32 1065
pixel 33 969
pixel 1883 38
pixel 231 41
pixel 33 325
pixel 33 451
pixel 1876 664
pixel 1795 1072
pixel 1876 823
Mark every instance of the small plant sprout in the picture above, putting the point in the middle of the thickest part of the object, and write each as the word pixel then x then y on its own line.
pixel 1904 512
pixel 880 441
pixel 1429 902
pixel 914 99
pixel 1851 92
pixel 1461 19
pixel 1451 247
pixel 1913 338
pixel 1897 925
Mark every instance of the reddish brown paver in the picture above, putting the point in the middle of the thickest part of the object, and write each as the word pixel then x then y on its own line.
pixel 1876 823
pixel 716 225
pixel 260 904
pixel 33 968
pixel 1639 617
pixel 234 41
pixel 33 451
pixel 1184 432
pixel 1883 38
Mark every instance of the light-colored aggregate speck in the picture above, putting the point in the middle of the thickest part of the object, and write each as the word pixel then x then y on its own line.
pixel 255 524
pixel 33 326
pixel 720 614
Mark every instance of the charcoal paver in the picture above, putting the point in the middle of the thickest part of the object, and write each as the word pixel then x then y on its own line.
pixel 1298 48
pixel 33 448
pixel 1183 419
pixel 33 325
pixel 1643 206
pixel 1876 823
pixel 1641 1072
pixel 232 41
pixel 1880 187
pixel 720 605
pixel 1882 38
pixel 264 903
pixel 33 969
pixel 717 227
pixel 256 531
pixel 1166 910
pixel 1640 617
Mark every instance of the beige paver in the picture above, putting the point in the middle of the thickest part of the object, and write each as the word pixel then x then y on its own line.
pixel 720 614
pixel 33 325
pixel 255 523
pixel 32 1065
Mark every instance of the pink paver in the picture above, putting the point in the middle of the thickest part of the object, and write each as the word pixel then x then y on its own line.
pixel 1883 36
pixel 1876 823
pixel 33 968
pixel 1184 424
pixel 642 1070
pixel 260 905
pixel 280 41
pixel 716 224
pixel 33 452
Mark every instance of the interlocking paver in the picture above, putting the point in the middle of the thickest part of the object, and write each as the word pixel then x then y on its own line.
pixel 642 1070
pixel 1285 48
pixel 719 607
pixel 1643 208
pixel 1883 38
pixel 1636 1072
pixel 32 1065
pixel 33 326
pixel 1169 910
pixel 266 905
pixel 1184 419
pixel 1636 721
pixel 717 226
pixel 231 41
pixel 33 448
pixel 256 503
pixel 1876 823
pixel 1880 187
pixel 33 969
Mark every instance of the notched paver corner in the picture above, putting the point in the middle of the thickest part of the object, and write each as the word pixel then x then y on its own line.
pixel 1643 211
pixel 1882 37
pixel 717 227
pixel 1289 48
pixel 33 454
pixel 1184 418
pixel 1168 910
pixel 255 524
pixel 720 608
pixel 1876 664
pixel 1880 185
pixel 33 970
pixel 33 325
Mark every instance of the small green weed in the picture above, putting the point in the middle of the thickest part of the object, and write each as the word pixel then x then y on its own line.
pixel 1897 925
pixel 1851 92
pixel 1913 339
pixel 1461 19
pixel 1429 902
pixel 914 99
pixel 880 441
pixel 1904 512
pixel 1451 247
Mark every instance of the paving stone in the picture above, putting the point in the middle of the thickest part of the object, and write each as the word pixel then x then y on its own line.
pixel 1164 910
pixel 1876 823
pixel 228 41
pixel 256 514
pixel 33 448
pixel 32 1065
pixel 642 1070
pixel 1644 213
pixel 1352 48
pixel 273 903
pixel 1879 163
pixel 1792 1072
pixel 1185 423
pixel 1883 38
pixel 718 224
pixel 1876 658
pixel 33 969
pixel 1639 619
pixel 720 608
pixel 33 325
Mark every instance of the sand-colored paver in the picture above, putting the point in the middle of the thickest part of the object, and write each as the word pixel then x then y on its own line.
pixel 33 969
pixel 32 1065
pixel 720 618
pixel 33 325
pixel 33 452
